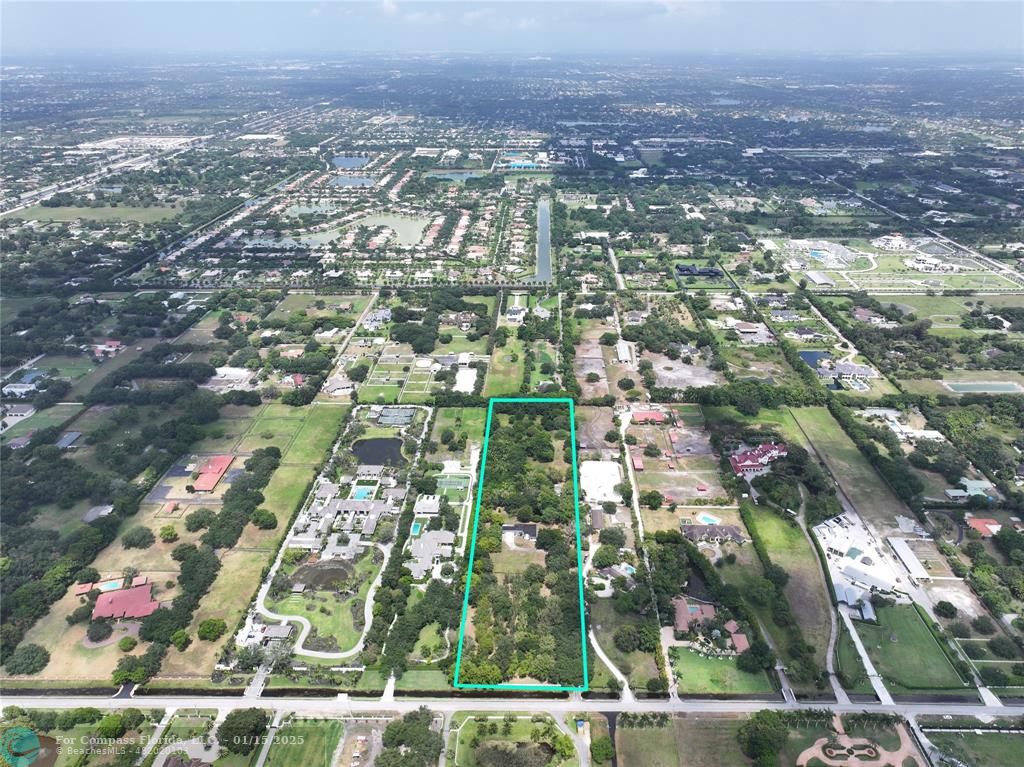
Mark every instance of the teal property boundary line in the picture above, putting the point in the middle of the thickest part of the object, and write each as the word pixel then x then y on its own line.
pixel 472 553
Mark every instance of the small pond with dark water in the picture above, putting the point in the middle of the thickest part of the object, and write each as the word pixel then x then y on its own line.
pixel 380 451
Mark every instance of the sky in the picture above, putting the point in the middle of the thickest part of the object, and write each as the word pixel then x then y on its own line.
pixel 317 29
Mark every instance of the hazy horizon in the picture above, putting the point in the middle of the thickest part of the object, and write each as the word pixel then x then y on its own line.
pixel 257 28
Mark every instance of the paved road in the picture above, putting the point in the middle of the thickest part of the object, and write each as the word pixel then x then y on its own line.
pixel 343 705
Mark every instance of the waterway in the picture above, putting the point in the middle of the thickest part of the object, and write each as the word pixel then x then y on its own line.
pixel 543 242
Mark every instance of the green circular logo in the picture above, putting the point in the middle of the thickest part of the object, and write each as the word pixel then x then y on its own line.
pixel 19 746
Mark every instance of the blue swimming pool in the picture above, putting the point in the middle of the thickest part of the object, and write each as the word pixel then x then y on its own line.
pixel 415 529
pixel 362 493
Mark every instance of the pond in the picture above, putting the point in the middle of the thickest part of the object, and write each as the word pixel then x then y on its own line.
pixel 456 175
pixel 380 451
pixel 408 229
pixel 349 162
pixel 813 358
pixel 352 181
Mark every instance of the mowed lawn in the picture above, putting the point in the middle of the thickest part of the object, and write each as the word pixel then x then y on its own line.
pixel 461 420
pixel 781 420
pixel 981 749
pixel 310 743
pixel 858 478
pixel 42 419
pixel 227 599
pixel 505 373
pixel 905 653
pixel 118 213
pixel 694 740
pixel 700 674
pixel 806 590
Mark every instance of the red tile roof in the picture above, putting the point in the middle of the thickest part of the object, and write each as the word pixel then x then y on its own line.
pixel 987 527
pixel 136 602
pixel 740 642
pixel 211 472
pixel 758 458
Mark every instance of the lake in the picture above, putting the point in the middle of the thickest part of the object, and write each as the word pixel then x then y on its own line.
pixel 349 162
pixel 408 229
pixel 386 451
pixel 352 181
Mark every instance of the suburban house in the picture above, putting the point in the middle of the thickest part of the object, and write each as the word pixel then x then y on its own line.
pixel 757 459
pixel 688 615
pixel 134 602
pixel 713 533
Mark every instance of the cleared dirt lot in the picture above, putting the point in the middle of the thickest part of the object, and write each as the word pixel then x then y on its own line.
pixel 679 374
pixel 592 423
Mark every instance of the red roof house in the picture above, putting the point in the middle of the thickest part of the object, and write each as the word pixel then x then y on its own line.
pixel 987 527
pixel 688 614
pixel 136 602
pixel 638 462
pixel 758 458
pixel 211 472
pixel 740 643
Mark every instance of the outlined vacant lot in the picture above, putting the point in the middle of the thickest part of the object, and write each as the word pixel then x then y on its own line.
pixel 506 557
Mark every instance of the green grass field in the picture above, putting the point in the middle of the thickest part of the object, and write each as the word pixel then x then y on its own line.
pixel 647 747
pixel 858 478
pixel 310 743
pixel 781 420
pixel 120 213
pixel 806 590
pixel 11 305
pixel 505 373
pixel 700 674
pixel 42 419
pixel 429 679
pixel 295 302
pixel 905 653
pixel 980 749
